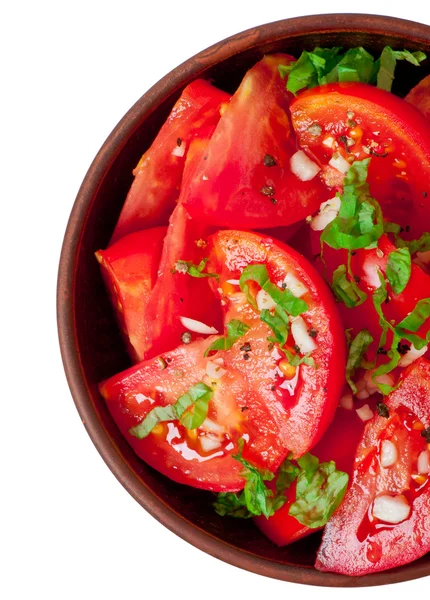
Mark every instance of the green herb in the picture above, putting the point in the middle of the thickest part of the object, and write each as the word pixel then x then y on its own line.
pixel 256 498
pixel 387 64
pixel 278 323
pixel 295 360
pixel 420 245
pixel 235 330
pixel 319 491
pixel 184 266
pixel 398 270
pixel 359 223
pixel 357 349
pixel 408 327
pixel 197 396
pixel 284 298
pixel 345 290
pixel 379 296
pixel 329 65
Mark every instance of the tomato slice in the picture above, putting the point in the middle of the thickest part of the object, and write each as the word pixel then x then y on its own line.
pixel 356 121
pixel 155 188
pixel 339 443
pixel 129 268
pixel 202 457
pixel 303 399
pixel 177 294
pixel 383 521
pixel 419 96
pixel 244 178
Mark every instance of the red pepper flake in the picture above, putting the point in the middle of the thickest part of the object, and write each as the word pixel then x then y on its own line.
pixel 273 201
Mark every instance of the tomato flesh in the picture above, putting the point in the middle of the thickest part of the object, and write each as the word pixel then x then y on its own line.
pixel 355 542
pixel 360 121
pixel 155 188
pixel 304 405
pixel 244 178
pixel 129 268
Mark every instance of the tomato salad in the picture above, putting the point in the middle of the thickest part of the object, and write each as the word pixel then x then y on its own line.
pixel 270 273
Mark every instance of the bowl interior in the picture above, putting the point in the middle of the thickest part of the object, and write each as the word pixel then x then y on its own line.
pixel 91 344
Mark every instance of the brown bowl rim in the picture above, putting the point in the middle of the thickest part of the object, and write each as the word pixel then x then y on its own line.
pixel 180 76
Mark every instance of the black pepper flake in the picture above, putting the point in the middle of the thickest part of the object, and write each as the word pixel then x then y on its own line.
pixel 424 194
pixel 344 140
pixel 378 154
pixel 357 279
pixel 382 351
pixel 179 142
pixel 205 158
pixel 243 408
pixel 169 360
pixel 186 337
pixel 270 346
pixel 382 410
pixel 246 347
pixel 402 348
pixel 353 253
pixel 181 299
pixel 267 190
pixel 269 161
pixel 273 388
pixel 246 356
pixel 273 200
pixel 426 434
pixel 387 299
pixel 324 389
pixel 296 348
pixel 312 332
pixel 407 228
pixel 283 285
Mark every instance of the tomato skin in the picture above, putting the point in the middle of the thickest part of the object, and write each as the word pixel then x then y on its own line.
pixel 419 97
pixel 129 268
pixel 304 415
pixel 178 294
pixel 400 178
pixel 155 189
pixel 351 544
pixel 339 443
pixel 228 189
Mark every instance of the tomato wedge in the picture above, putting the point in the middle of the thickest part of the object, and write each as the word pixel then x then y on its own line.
pixel 339 443
pixel 129 268
pixel 383 521
pixel 155 188
pixel 302 398
pixel 419 96
pixel 342 122
pixel 200 457
pixel 244 178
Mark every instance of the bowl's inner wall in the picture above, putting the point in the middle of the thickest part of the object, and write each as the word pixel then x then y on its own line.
pixel 101 349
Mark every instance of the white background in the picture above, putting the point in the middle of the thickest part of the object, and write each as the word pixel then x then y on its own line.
pixel 69 72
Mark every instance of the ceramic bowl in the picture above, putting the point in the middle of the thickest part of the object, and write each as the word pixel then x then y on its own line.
pixel 90 342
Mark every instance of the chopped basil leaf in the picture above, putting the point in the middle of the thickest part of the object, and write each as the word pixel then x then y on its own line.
pixel 394 357
pixel 357 349
pixel 185 266
pixel 355 225
pixel 198 396
pixel 256 498
pixel 422 244
pixel 329 65
pixel 387 64
pixel 379 296
pixel 295 360
pixel 284 298
pixel 413 322
pixel 399 269
pixel 346 291
pixel 319 491
pixel 390 227
pixel 235 330
pixel 278 323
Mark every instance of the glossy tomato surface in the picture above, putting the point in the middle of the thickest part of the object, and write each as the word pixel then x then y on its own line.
pixel 357 542
pixel 129 268
pixel 305 401
pixel 156 185
pixel 356 121
pixel 244 178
